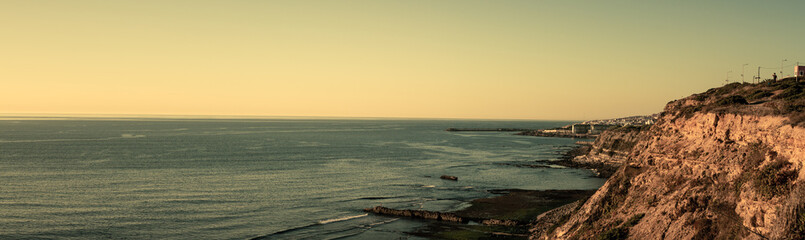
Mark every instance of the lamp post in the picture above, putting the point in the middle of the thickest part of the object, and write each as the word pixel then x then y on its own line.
pixel 758 74
pixel 743 67
pixel 728 78
pixel 781 67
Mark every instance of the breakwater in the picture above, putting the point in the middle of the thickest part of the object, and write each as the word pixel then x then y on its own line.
pixel 488 129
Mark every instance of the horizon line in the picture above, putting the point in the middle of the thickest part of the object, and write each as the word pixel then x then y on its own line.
pixel 124 116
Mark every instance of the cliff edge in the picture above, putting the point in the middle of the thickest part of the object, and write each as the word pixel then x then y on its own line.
pixel 723 164
pixel 609 151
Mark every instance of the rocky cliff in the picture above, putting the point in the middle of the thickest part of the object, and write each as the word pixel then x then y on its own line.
pixel 723 164
pixel 609 151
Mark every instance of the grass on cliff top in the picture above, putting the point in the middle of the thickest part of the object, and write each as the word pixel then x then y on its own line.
pixel 785 97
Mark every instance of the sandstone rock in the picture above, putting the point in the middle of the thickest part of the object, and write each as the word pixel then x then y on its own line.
pixel 705 170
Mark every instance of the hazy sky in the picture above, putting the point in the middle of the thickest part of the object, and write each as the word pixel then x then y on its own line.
pixel 569 60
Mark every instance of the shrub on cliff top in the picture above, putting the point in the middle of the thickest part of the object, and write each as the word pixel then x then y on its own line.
pixel 758 94
pixel 784 97
pixel 732 100
pixel 791 93
pixel 700 97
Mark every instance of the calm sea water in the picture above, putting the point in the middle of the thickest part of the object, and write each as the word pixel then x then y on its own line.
pixel 240 179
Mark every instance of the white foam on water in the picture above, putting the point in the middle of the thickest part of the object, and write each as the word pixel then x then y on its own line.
pixel 126 135
pixel 342 218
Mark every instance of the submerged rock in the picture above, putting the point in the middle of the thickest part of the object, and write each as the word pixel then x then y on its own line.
pixel 439 216
pixel 448 177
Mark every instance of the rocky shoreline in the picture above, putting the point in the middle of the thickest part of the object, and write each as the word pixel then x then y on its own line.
pixel 568 159
pixel 515 213
pixel 507 216
pixel 541 133
pixel 723 164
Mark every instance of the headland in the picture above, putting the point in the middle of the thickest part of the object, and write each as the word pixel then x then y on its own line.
pixel 723 164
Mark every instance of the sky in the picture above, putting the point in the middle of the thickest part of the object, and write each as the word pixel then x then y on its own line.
pixel 539 60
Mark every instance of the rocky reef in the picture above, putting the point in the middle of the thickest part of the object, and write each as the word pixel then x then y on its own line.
pixel 433 215
pixel 514 207
pixel 723 164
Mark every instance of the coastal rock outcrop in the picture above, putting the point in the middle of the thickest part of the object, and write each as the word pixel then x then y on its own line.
pixel 448 177
pixel 499 222
pixel 439 216
pixel 609 151
pixel 724 164
pixel 450 217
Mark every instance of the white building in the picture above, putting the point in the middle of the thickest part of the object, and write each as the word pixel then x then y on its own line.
pixel 580 128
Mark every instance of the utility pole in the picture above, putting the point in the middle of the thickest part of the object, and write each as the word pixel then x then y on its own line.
pixel 758 74
pixel 742 72
pixel 728 78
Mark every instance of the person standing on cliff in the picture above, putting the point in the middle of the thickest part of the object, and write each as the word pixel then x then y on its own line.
pixel 774 76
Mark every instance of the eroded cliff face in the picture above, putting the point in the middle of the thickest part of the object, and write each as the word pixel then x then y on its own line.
pixel 612 147
pixel 704 174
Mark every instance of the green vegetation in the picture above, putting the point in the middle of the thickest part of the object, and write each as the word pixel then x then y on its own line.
pixel 799 223
pixel 621 232
pixel 785 97
pixel 700 97
pixel 732 100
pixel 758 95
pixel 616 196
pixel 615 234
pixel 754 155
pixel 634 219
pixel 618 190
pixel 773 179
pixel 791 93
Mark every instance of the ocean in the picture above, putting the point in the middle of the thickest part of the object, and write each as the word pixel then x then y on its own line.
pixel 141 178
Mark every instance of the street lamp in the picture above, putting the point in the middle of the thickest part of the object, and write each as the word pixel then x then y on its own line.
pixel 742 72
pixel 728 77
pixel 781 67
pixel 758 74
